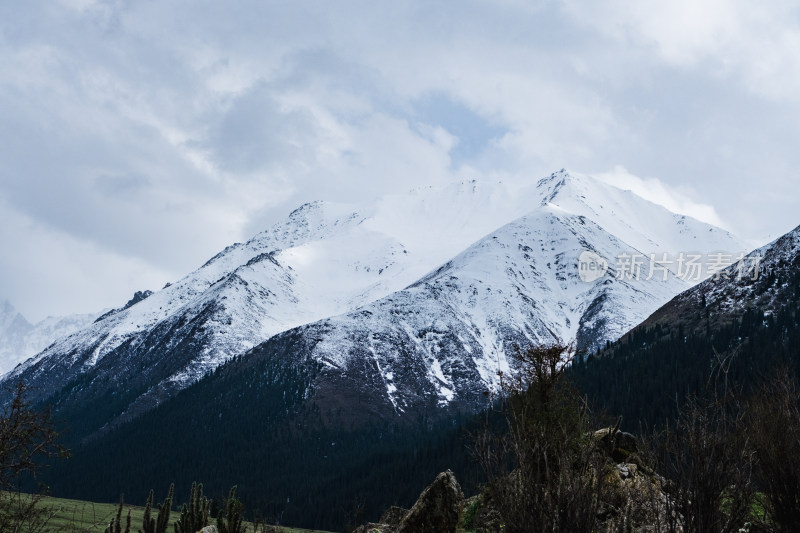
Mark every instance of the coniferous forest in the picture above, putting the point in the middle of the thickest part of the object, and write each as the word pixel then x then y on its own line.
pixel 647 374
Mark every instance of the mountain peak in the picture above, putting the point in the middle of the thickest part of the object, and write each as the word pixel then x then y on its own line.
pixel 570 187
pixel 19 339
pixel 10 315
pixel 555 180
pixel 6 307
pixel 306 208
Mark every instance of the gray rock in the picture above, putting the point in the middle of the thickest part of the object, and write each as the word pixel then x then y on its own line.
pixel 393 515
pixel 480 515
pixel 438 508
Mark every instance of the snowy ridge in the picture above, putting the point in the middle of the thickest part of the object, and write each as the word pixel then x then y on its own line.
pixel 488 263
pixel 647 227
pixel 448 335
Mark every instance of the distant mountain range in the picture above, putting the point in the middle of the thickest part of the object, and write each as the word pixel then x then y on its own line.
pixel 20 340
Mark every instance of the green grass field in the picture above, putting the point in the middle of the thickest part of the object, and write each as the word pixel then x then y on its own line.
pixel 76 516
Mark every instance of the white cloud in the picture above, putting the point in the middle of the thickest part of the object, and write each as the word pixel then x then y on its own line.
pixel 754 43
pixel 163 131
pixel 678 200
pixel 49 272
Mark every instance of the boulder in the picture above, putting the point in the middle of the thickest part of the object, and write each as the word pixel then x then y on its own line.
pixel 393 515
pixel 209 529
pixel 438 508
pixel 480 515
pixel 634 496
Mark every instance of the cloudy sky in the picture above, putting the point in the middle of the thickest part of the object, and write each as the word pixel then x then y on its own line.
pixel 139 138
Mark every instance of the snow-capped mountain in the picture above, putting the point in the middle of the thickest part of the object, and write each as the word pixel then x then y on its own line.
pixel 442 340
pixel 19 339
pixel 469 268
pixel 13 330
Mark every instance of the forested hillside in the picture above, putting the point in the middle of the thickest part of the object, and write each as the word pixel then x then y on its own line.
pixel 717 334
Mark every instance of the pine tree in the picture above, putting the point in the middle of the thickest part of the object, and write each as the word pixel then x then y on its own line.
pixel 195 514
pixel 115 526
pixel 230 520
pixel 159 524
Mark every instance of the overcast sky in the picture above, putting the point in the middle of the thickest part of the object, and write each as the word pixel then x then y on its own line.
pixel 139 138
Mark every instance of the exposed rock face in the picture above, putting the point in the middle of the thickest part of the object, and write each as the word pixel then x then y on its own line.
pixel 480 515
pixel 438 508
pixel 637 497
pixel 393 515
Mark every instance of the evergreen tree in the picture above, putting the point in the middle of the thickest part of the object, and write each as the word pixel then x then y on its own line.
pixel 160 523
pixel 195 513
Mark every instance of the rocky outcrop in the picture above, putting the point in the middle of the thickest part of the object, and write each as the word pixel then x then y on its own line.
pixel 633 495
pixel 437 510
pixel 636 497
pixel 393 515
pixel 480 515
